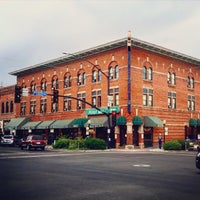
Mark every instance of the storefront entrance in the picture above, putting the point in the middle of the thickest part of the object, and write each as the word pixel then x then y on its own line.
pixel 148 137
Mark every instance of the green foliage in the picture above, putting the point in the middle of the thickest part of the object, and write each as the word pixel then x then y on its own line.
pixel 61 143
pixel 95 143
pixel 77 144
pixel 89 143
pixel 182 142
pixel 172 145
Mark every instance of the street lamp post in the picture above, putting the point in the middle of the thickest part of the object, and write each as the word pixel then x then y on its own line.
pixel 108 91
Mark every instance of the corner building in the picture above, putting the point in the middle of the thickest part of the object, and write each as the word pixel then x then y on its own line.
pixel 152 89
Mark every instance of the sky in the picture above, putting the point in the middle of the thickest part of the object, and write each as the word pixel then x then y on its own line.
pixel 34 31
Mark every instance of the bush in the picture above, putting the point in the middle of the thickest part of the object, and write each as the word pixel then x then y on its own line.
pixel 95 143
pixel 182 142
pixel 172 145
pixel 61 143
pixel 77 144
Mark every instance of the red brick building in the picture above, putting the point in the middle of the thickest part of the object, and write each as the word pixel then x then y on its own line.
pixel 153 90
pixel 7 108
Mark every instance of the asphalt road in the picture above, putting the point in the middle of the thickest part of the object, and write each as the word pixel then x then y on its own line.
pixel 98 175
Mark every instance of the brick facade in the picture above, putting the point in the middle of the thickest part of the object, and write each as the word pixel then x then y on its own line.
pixel 160 61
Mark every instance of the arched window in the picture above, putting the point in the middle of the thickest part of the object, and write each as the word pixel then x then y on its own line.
pixel 33 86
pixel 144 73
pixel 43 85
pixel 173 78
pixel 7 107
pixel 150 74
pixel 110 73
pixel 67 81
pixel 11 106
pixel 116 72
pixel 54 82
pixel 192 82
pixel 169 78
pixel 81 78
pixel 94 76
pixel 99 75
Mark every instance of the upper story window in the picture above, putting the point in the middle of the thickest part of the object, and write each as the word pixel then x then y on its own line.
pixel 2 107
pixel 190 82
pixel 7 107
pixel 171 78
pixel 147 97
pixel 23 109
pixel 81 104
pixel 43 85
pixel 67 80
pixel 32 107
pixel 113 72
pixel 96 98
pixel 147 73
pixel 67 103
pixel 54 82
pixel 11 106
pixel 191 102
pixel 115 93
pixel 33 86
pixel 81 78
pixel 96 75
pixel 43 105
pixel 171 100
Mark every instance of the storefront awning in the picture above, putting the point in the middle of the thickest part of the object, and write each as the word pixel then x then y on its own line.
pixel 121 121
pixel 198 122
pixel 62 124
pixel 45 124
pixel 151 121
pixel 97 122
pixel 16 123
pixel 193 122
pixel 137 121
pixel 79 122
pixel 31 125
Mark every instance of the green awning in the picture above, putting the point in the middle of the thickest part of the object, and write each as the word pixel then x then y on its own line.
pixel 30 125
pixel 16 123
pixel 62 124
pixel 79 122
pixel 97 122
pixel 198 122
pixel 45 124
pixel 193 122
pixel 121 121
pixel 137 121
pixel 151 121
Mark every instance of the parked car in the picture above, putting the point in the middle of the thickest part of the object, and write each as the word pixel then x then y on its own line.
pixel 9 140
pixel 198 158
pixel 33 142
pixel 193 145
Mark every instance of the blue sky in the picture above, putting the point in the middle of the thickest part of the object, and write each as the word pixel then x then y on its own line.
pixel 34 31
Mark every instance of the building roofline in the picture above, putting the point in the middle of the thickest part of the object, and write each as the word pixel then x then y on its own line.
pixel 105 47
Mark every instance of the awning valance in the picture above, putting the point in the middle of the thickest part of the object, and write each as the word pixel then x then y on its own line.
pixel 30 125
pixel 97 122
pixel 79 122
pixel 137 121
pixel 151 121
pixel 45 124
pixel 16 123
pixel 121 121
pixel 193 122
pixel 62 124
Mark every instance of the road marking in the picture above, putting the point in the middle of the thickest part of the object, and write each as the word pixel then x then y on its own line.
pixel 141 165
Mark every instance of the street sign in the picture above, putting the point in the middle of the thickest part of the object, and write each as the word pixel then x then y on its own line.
pixel 24 92
pixel 41 93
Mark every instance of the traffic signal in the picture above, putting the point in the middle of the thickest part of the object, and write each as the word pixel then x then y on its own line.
pixel 18 93
pixel 114 118
pixel 55 96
